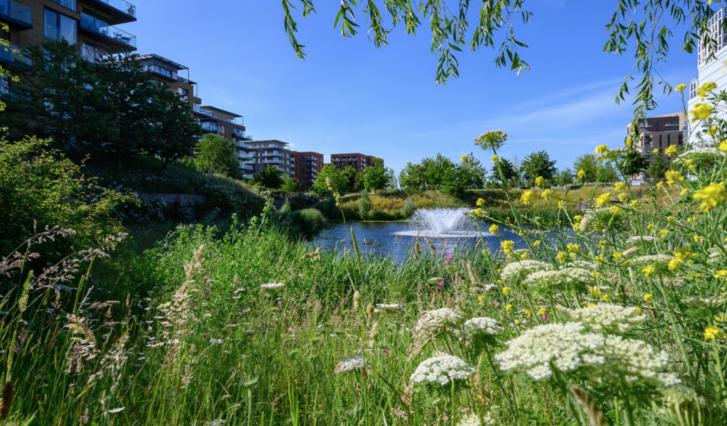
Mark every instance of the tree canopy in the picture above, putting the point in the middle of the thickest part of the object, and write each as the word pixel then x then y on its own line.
pixel 215 154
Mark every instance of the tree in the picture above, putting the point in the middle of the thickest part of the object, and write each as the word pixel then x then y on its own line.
pixel 538 164
pixel 471 172
pixel 330 180
pixel 215 154
pixel 107 112
pixel 269 177
pixel 587 168
pixel 630 162
pixel 289 184
pixel 647 26
pixel 564 177
pixel 376 176
pixel 606 173
pixel 657 167
pixel 505 172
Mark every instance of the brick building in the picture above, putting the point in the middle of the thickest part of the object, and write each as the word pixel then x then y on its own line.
pixel 355 160
pixel 307 166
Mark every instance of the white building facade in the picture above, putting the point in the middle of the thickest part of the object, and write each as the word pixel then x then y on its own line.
pixel 711 67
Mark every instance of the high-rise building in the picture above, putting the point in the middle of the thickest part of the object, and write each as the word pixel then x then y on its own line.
pixel 710 64
pixel 271 153
pixel 659 132
pixel 355 160
pixel 90 25
pixel 307 166
pixel 174 75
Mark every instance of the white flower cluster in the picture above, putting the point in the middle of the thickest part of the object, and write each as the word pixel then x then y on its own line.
pixel 566 277
pixel 566 346
pixel 474 420
pixel 272 286
pixel 607 316
pixel 637 360
pixel 658 260
pixel 434 322
pixel 583 264
pixel 482 325
pixel 517 270
pixel 441 370
pixel 352 363
pixel 570 346
pixel 638 239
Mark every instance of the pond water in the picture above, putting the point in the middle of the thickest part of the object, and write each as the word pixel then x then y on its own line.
pixel 444 231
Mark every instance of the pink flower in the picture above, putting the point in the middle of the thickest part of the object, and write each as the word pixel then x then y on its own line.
pixel 449 258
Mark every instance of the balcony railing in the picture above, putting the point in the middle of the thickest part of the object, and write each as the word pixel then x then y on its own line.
pixel 107 30
pixel 92 54
pixel 16 13
pixel 121 5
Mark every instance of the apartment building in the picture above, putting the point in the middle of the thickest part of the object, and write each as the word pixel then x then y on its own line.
pixel 271 153
pixel 659 132
pixel 91 25
pixel 710 68
pixel 173 74
pixel 356 160
pixel 231 126
pixel 307 165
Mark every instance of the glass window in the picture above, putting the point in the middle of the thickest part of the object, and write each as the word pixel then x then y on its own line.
pixel 70 4
pixel 60 27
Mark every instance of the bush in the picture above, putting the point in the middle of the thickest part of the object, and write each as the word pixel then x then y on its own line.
pixel 364 205
pixel 40 188
pixel 309 221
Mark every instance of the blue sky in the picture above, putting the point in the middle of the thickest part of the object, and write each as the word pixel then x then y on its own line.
pixel 348 95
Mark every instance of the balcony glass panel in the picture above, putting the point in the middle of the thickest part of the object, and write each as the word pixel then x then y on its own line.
pixel 102 27
pixel 17 11
pixel 121 5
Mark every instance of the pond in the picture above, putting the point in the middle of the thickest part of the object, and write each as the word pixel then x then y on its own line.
pixel 444 231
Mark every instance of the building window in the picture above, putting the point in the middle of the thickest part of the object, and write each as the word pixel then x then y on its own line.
pixel 70 4
pixel 60 27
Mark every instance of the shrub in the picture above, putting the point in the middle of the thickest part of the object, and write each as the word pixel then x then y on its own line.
pixel 309 221
pixel 364 205
pixel 40 188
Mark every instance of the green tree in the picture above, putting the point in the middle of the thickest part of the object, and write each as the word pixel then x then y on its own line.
pixel 269 177
pixel 658 166
pixel 108 112
pixel 587 166
pixel 215 154
pixel 538 164
pixel 472 172
pixel 505 173
pixel 630 162
pixel 564 177
pixel 329 180
pixel 364 205
pixel 376 176
pixel 606 173
pixel 289 184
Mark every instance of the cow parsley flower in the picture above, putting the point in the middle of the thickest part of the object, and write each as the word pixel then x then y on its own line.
pixel 564 346
pixel 515 271
pixel 434 322
pixel 561 278
pixel 482 325
pixel 352 363
pixel 636 360
pixel 441 370
pixel 606 316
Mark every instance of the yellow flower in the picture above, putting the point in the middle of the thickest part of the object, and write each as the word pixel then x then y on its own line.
pixel 673 178
pixel 601 149
pixel 660 185
pixel 494 229
pixel 581 174
pixel 655 151
pixel 680 87
pixel 614 210
pixel 713 333
pixel 506 291
pixel 606 297
pixel 698 239
pixel 623 197
pixel 617 255
pixel 528 314
pixel 507 246
pixel 546 194
pixel 523 255
pixel 527 197
pixel 495 158
pixel 723 146
pixel 706 89
pixel 663 233
pixel 542 311
pixel 481 298
pixel 600 260
pixel 649 270
pixel 702 111
pixel 537 243
pixel 573 248
pixel 648 298
pixel 508 307
pixel 539 181
pixel 603 199
pixel 710 196
pixel 595 291
pixel 671 150
pixel 721 274
pixel 720 318
pixel 620 186
pixel 562 256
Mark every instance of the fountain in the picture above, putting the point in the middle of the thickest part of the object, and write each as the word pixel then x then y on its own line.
pixel 442 223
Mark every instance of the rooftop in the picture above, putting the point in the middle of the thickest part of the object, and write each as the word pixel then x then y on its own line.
pixel 158 58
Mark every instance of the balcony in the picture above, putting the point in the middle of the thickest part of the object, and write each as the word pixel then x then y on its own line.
pixel 14 55
pixel 239 133
pixel 211 127
pixel 122 40
pixel 119 11
pixel 16 15
pixel 92 54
